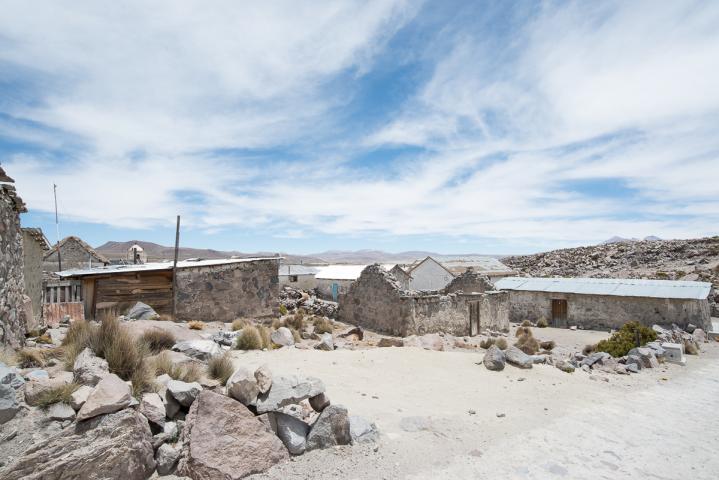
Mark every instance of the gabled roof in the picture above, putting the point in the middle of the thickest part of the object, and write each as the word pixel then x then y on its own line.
pixel 4 177
pixel 38 236
pixel 84 245
pixel 622 287
pixel 417 264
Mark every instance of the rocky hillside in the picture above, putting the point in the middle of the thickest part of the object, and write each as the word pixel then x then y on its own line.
pixel 695 259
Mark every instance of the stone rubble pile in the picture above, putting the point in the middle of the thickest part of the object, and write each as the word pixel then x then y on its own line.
pixel 292 298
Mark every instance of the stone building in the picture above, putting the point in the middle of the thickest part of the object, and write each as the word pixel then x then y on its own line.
pixel 602 303
pixel 15 306
pixel 429 275
pixel 35 246
pixel 378 302
pixel 298 276
pixel 331 281
pixel 209 290
pixel 74 254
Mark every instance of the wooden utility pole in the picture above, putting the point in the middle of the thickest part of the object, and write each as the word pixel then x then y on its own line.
pixel 57 229
pixel 174 270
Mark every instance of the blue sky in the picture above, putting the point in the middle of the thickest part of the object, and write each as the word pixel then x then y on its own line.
pixel 457 127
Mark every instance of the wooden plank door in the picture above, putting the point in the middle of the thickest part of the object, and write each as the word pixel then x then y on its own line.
pixel 559 313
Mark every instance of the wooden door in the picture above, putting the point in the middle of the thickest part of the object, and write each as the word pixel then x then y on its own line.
pixel 559 313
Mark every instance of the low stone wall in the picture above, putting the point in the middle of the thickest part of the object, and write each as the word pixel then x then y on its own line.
pixel 438 313
pixel 33 252
pixel 494 311
pixel 469 282
pixel 226 292
pixel 13 301
pixel 605 311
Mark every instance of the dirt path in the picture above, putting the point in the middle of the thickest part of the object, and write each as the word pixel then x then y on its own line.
pixel 658 424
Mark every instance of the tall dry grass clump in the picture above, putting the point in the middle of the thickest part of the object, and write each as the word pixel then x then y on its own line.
pixel 296 321
pixel 322 325
pixel 526 342
pixel 196 325
pixel 60 394
pixel 220 368
pixel 249 339
pixel 239 324
pixel 36 357
pixel 158 339
pixel 542 323
pixel 186 372
pixel 265 333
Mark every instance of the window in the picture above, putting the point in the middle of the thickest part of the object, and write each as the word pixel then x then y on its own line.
pixel 293 278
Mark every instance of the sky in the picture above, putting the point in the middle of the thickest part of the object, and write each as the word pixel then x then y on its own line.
pixel 455 127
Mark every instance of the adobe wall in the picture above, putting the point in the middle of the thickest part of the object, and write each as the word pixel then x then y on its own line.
pixel 604 311
pixel 226 292
pixel 32 271
pixel 13 310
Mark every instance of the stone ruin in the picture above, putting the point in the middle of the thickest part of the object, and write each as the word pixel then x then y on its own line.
pixel 468 305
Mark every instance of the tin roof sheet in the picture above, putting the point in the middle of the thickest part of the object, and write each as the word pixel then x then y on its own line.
pixel 155 266
pixel 623 287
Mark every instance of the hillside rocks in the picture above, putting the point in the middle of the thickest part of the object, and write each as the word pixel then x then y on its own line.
pixel 8 403
pixel 80 396
pixel 185 393
pixel 34 389
pixel 293 298
pixel 287 390
pixel 10 376
pixel 494 359
pixel 153 408
pixel 116 445
pixel 331 428
pixel 199 349
pixel 89 369
pixel 263 375
pixel 216 449
pixel 110 395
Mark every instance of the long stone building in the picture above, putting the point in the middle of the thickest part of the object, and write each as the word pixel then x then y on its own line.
pixel 597 303
pixel 74 254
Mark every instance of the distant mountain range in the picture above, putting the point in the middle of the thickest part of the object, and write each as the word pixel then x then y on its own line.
pixel 615 239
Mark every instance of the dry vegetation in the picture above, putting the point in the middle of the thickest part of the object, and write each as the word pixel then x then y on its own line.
pixel 500 342
pixel 60 394
pixel 526 341
pixel 322 325
pixel 37 357
pixel 220 368
pixel 158 340
pixel 239 324
pixel 185 372
pixel 249 339
pixel 196 325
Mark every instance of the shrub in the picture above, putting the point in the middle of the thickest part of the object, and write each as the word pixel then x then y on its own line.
pixel 526 323
pixel 528 344
pixel 186 372
pixel 249 339
pixel 37 357
pixel 488 342
pixel 158 339
pixel 501 343
pixel 589 349
pixel 542 323
pixel 322 325
pixel 523 331
pixel 265 336
pixel 283 310
pixel 220 368
pixel 196 325
pixel 548 345
pixel 239 324
pixel 56 395
pixel 190 372
pixel 277 323
pixel 625 339
pixel 296 335
pixel 296 322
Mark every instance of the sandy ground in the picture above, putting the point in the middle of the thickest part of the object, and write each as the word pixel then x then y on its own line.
pixel 658 424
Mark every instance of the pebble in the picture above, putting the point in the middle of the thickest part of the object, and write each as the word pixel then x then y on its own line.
pixel 501 415
pixel 472 412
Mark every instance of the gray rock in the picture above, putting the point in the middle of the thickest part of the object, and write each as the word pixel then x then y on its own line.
pixel 263 375
pixel 10 376
pixel 595 358
pixel 153 408
pixel 620 369
pixel 319 402
pixel 89 369
pixel 114 446
pixel 269 421
pixel 141 311
pixel 185 393
pixel 564 365
pixel 37 375
pixel 242 386
pixel 288 389
pixel 632 367
pixel 110 395
pixel 36 388
pixel 199 349
pixel 61 412
pixel 362 430
pixel 172 429
pixel 494 359
pixel 326 343
pixel 537 359
pixel 282 337
pixel 657 349
pixel 292 432
pixel 56 335
pixel 226 338
pixel 331 428
pixel 8 403
pixel 80 396
pixel 518 358
pixel 645 356
pixel 699 336
pixel 166 458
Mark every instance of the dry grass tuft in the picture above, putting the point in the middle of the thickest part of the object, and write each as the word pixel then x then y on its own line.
pixel 526 323
pixel 522 331
pixel 542 323
pixel 249 339
pixel 8 356
pixel 196 325
pixel 501 343
pixel 220 368
pixel 296 335
pixel 185 372
pixel 589 349
pixel 265 336
pixel 44 338
pixel 487 342
pixel 322 325
pixel 158 339
pixel 59 394
pixel 548 345
pixel 239 324
pixel 277 323
pixel 296 321
pixel 527 343
pixel 37 357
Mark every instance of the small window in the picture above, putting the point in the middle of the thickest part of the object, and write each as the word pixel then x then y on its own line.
pixel 293 278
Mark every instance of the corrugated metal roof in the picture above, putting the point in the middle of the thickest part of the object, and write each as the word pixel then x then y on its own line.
pixel 340 272
pixel 609 286
pixel 286 270
pixel 148 267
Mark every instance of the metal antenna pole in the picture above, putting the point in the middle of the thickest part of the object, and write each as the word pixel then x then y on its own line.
pixel 174 271
pixel 57 229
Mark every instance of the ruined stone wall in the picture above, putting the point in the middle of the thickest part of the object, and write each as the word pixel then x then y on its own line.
pixel 439 313
pixel 604 311
pixel 226 292
pixel 494 311
pixel 324 287
pixel 12 283
pixel 469 282
pixel 73 256
pixel 32 271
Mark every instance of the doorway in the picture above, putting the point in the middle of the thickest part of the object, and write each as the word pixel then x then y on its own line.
pixel 559 313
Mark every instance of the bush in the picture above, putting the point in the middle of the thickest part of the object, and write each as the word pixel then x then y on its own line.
pixel 157 339
pixel 37 357
pixel 548 345
pixel 249 339
pixel 186 372
pixel 625 339
pixel 542 323
pixel 526 323
pixel 690 348
pixel 143 379
pixel 56 395
pixel 486 343
pixel 296 335
pixel 220 368
pixel 196 325
pixel 322 325
pixel 239 324
pixel 265 336
pixel 501 343
pixel 523 331
pixel 296 322
pixel 283 310
pixel 528 344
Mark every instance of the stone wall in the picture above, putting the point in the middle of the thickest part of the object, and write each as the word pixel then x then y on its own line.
pixel 74 254
pixel 605 311
pixel 226 292
pixel 33 252
pixel 304 282
pixel 13 302
pixel 468 282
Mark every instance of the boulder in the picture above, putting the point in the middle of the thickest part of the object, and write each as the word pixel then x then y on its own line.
pixel 269 421
pixel 293 432
pixel 564 365
pixel 356 332
pixel 242 386
pixel 518 358
pixel 185 393
pixel 141 311
pixel 596 358
pixel 226 338
pixel 34 389
pixel 620 369
pixel 319 402
pixel 390 342
pixel 10 376
pixel 111 446
pixel 657 348
pixel 153 408
pixel 89 369
pixel 645 356
pixel 362 430
pixel 331 428
pixel 199 349
pixel 222 439
pixel 110 395
pixel 288 389
pixel 166 458
pixel 263 375
pixel 282 337
pixel 80 396
pixel 494 359
pixel 632 367
pixel 60 412
pixel 8 403
pixel 326 343
pixel 699 336
pixel 37 375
